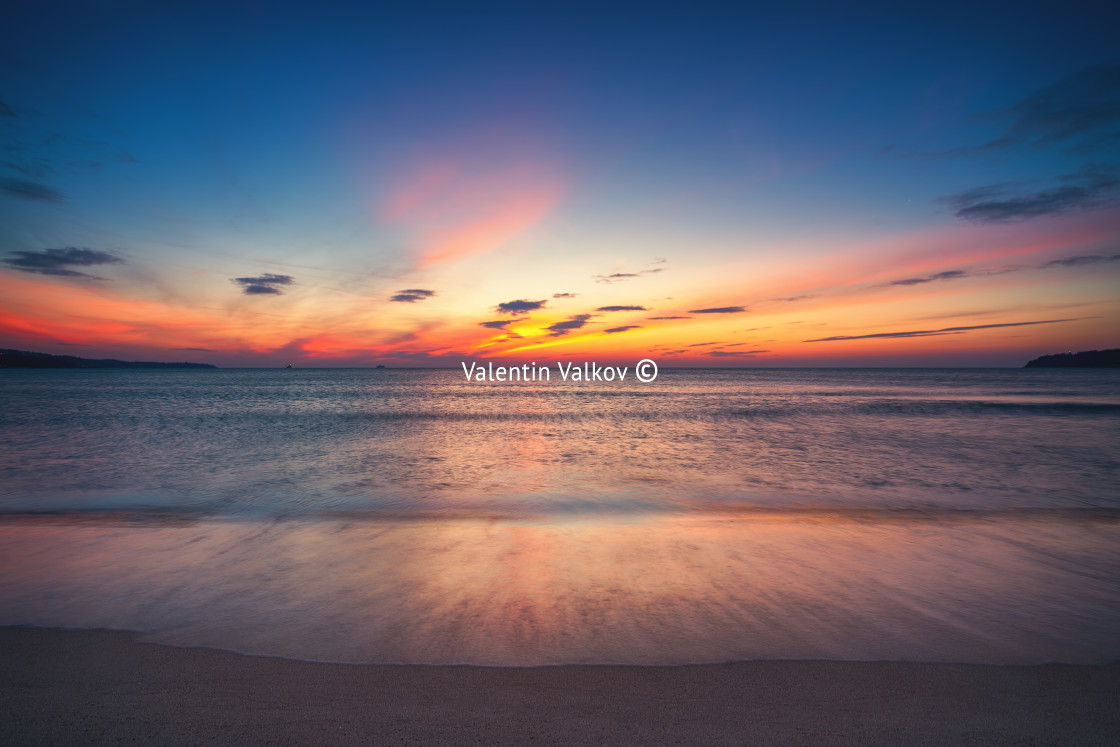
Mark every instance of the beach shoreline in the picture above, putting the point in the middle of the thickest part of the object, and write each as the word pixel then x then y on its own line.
pixel 81 686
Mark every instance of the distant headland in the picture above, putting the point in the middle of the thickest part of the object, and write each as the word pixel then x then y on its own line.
pixel 1085 359
pixel 25 359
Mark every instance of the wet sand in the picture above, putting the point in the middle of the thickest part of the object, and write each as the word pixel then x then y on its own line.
pixel 69 687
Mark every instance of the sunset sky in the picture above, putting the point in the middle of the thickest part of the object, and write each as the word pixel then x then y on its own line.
pixel 417 184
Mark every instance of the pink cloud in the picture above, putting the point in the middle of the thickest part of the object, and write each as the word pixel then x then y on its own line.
pixel 461 205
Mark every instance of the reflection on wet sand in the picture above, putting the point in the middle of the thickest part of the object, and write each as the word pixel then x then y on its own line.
pixel 644 588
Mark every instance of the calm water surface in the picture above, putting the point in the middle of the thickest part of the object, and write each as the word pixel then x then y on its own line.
pixel 411 516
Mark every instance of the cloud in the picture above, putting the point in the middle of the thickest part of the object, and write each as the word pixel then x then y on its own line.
pixel 1084 106
pixel 791 299
pixel 1081 112
pixel 196 350
pixel 564 295
pixel 5 110
pixel 520 306
pixel 619 276
pixel 932 332
pixel 733 353
pixel 265 284
pixel 627 328
pixel 1092 187
pixel 622 308
pixel 571 324
pixel 719 310
pixel 947 275
pixel 25 190
pixel 1088 259
pixel 58 261
pixel 1078 261
pixel 412 295
pixel 670 317
pixel 497 323
pixel 470 198
pixel 701 344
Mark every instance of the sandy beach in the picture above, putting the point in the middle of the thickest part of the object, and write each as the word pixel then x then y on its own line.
pixel 70 687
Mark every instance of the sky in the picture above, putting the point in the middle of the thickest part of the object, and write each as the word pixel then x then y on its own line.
pixel 420 184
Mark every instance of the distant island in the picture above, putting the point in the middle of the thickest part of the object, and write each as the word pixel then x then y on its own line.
pixel 1085 359
pixel 25 359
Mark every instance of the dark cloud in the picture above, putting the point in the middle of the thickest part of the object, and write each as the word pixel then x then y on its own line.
pixel 932 332
pixel 25 190
pixel 622 308
pixel 560 329
pixel 6 111
pixel 32 168
pixel 627 328
pixel 1088 259
pixel 1092 187
pixel 564 295
pixel 1078 261
pixel 791 299
pixel 58 261
pixel 719 310
pixel 670 317
pixel 947 275
pixel 266 284
pixel 701 344
pixel 497 323
pixel 520 306
pixel 1084 107
pixel 732 353
pixel 1081 112
pixel 196 350
pixel 127 157
pixel 412 295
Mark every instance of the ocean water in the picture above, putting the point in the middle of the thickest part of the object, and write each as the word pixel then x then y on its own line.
pixel 712 515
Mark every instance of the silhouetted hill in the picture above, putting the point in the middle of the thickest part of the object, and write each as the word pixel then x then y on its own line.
pixel 1086 359
pixel 25 359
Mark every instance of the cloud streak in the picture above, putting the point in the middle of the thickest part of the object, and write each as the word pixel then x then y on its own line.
pixel 22 189
pixel 616 277
pixel 733 353
pixel 1087 189
pixel 622 308
pixel 627 328
pixel 947 275
pixel 1081 112
pixel 719 310
pixel 59 261
pixel 1087 259
pixel 933 332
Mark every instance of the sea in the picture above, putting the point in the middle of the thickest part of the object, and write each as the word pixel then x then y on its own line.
pixel 413 516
